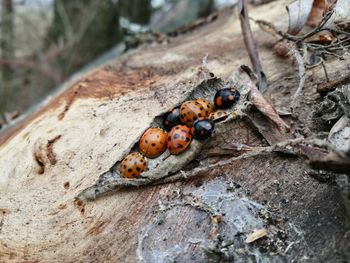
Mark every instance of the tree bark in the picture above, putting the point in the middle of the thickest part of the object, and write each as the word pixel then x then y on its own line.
pixel 7 51
pixel 85 29
pixel 78 134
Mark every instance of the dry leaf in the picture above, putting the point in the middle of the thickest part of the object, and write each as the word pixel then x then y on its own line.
pixel 257 234
pixel 265 108
pixel 321 38
pixel 339 135
pixel 341 13
pixel 319 7
pixel 298 13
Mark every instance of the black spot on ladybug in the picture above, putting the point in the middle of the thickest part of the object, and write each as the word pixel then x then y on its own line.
pixel 129 170
pixel 138 169
pixel 134 175
pixel 199 114
pixel 201 108
pixel 124 166
pixel 153 144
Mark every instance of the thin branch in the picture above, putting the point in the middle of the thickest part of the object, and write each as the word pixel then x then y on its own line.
pixel 250 45
pixel 31 65
pixel 301 69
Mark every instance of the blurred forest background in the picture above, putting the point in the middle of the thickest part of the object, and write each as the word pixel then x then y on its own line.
pixel 43 42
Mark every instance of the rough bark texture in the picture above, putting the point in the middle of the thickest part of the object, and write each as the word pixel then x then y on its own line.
pixel 61 149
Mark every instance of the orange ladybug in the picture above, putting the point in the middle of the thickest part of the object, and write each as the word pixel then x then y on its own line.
pixel 133 165
pixel 218 115
pixel 206 104
pixel 194 109
pixel 179 138
pixel 153 142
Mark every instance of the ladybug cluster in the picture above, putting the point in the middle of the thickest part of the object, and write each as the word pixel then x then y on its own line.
pixel 193 119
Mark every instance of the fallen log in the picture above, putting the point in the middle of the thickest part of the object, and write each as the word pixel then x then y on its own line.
pixel 262 207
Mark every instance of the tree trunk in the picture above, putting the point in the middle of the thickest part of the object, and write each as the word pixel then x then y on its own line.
pixel 6 49
pixel 85 29
pixel 76 137
pixel 136 11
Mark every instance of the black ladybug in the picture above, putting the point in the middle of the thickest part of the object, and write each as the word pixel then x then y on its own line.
pixel 172 119
pixel 226 98
pixel 202 129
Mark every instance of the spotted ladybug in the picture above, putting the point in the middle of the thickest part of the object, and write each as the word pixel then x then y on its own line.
pixel 133 165
pixel 226 98
pixel 153 142
pixel 179 138
pixel 206 104
pixel 194 109
pixel 218 116
pixel 172 118
pixel 202 128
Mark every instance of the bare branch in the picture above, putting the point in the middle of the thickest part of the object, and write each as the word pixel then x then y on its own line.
pixel 250 45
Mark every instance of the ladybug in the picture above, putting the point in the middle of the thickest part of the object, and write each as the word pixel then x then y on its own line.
pixel 194 109
pixel 202 129
pixel 179 138
pixel 206 104
pixel 226 98
pixel 133 165
pixel 153 142
pixel 172 118
pixel 218 115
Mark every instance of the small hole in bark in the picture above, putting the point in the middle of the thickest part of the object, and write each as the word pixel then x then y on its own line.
pixel 66 185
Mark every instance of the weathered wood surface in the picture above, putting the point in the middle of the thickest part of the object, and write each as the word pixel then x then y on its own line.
pixel 61 149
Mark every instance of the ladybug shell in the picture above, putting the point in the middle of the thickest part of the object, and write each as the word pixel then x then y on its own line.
pixel 226 98
pixel 172 118
pixel 202 129
pixel 179 138
pixel 133 165
pixel 218 115
pixel 206 104
pixel 153 142
pixel 194 109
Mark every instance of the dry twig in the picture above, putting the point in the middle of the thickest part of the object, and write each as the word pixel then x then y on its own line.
pixel 251 46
